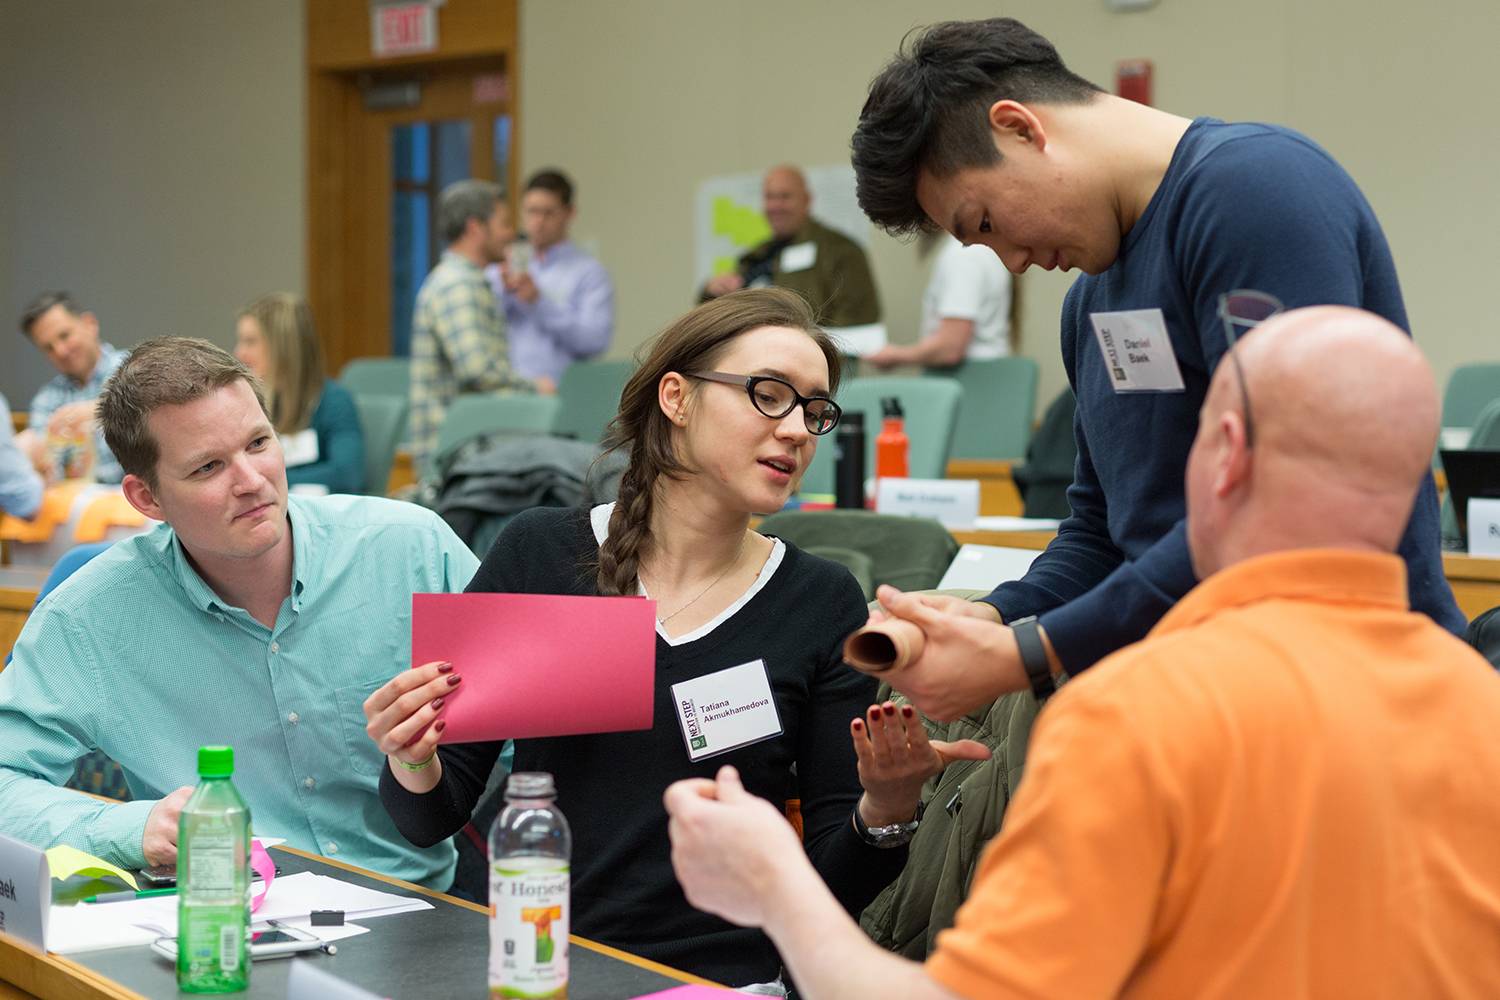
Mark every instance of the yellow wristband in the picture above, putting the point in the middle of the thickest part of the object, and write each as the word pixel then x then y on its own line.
pixel 420 765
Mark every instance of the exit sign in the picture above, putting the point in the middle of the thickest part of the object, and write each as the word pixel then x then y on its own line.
pixel 403 28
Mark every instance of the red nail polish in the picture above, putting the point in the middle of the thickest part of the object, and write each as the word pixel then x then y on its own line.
pixel 453 679
pixel 437 703
pixel 890 709
pixel 443 668
pixel 439 725
pixel 859 723
pixel 906 711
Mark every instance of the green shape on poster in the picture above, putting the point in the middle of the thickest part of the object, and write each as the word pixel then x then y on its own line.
pixel 744 226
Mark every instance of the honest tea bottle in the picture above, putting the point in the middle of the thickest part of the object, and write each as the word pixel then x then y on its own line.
pixel 213 881
pixel 529 880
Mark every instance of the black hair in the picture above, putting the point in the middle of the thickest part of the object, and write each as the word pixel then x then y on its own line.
pixel 555 181
pixel 928 109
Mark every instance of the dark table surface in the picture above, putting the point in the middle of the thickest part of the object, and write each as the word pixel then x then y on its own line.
pixel 442 952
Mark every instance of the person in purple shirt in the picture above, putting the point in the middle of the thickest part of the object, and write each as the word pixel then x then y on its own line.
pixel 559 302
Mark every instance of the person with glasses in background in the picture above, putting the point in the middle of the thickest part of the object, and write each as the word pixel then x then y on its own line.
pixel 721 419
pixel 979 129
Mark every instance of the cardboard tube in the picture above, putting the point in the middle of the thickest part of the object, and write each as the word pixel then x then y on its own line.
pixel 887 645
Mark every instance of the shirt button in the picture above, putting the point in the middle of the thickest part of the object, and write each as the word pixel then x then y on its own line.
pixel 333 848
pixel 293 718
pixel 309 783
pixel 275 647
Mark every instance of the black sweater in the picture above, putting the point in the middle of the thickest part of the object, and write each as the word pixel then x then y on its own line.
pixel 610 785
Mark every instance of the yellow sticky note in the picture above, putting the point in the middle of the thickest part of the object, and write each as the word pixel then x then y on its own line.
pixel 66 862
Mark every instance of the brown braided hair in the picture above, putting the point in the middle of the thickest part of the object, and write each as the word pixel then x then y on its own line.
pixel 693 343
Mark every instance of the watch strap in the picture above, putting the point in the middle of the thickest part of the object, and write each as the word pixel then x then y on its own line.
pixel 1028 633
pixel 893 835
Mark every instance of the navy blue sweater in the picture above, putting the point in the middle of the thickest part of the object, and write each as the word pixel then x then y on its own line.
pixel 1241 206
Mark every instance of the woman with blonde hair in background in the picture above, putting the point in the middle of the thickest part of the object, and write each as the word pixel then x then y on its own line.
pixel 314 416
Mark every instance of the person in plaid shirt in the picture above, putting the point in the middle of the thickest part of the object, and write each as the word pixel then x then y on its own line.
pixel 458 338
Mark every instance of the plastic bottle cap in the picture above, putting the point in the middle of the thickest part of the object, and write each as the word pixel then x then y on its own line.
pixel 215 762
pixel 890 406
pixel 530 785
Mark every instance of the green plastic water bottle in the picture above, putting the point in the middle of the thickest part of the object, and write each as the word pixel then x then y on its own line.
pixel 213 881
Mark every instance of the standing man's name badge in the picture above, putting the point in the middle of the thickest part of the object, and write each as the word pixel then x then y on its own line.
pixel 1137 352
pixel 798 257
pixel 726 710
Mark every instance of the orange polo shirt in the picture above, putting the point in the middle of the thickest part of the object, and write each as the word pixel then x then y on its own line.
pixel 1289 789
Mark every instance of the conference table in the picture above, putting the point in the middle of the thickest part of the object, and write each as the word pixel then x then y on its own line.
pixel 441 952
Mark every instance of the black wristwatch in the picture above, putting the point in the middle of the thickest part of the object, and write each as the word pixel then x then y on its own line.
pixel 1034 657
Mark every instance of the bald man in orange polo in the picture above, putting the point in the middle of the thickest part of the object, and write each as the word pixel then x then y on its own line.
pixel 1287 789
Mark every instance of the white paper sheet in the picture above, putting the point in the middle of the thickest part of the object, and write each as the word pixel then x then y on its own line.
pixel 292 898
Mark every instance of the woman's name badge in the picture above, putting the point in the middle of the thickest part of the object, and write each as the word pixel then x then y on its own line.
pixel 726 710
pixel 300 448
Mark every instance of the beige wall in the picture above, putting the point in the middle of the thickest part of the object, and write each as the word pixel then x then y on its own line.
pixel 155 164
pixel 678 90
pixel 152 150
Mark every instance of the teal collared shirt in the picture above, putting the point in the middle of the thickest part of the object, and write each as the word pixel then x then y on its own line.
pixel 136 656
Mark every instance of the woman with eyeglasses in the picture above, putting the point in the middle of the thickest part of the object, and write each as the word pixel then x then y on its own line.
pixel 720 419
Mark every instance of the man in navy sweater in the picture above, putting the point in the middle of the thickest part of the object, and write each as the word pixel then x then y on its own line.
pixel 979 129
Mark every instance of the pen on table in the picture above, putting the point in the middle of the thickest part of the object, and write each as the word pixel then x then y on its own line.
pixel 116 897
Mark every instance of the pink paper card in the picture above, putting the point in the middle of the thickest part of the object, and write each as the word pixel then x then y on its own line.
pixel 687 993
pixel 539 664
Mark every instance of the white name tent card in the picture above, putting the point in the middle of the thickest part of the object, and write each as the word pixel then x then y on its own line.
pixel 1484 526
pixel 25 892
pixel 954 502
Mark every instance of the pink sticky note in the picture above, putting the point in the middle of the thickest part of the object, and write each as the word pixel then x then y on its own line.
pixel 687 993
pixel 539 664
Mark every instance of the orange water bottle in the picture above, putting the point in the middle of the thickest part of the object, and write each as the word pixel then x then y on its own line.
pixel 892 444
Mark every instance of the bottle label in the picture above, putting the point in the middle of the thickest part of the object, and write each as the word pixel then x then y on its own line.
pixel 529 927
pixel 212 869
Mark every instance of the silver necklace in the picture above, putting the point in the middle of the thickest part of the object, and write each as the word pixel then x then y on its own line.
pixel 717 580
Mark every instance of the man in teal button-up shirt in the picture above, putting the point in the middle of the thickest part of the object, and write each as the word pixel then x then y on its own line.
pixel 247 619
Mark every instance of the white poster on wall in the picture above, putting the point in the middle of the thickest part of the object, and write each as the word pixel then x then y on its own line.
pixel 728 220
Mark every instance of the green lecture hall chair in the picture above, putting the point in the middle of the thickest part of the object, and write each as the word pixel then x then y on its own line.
pixel 382 420
pixel 931 408
pixel 377 376
pixel 590 395
pixel 999 402
pixel 1486 437
pixel 484 413
pixel 1469 390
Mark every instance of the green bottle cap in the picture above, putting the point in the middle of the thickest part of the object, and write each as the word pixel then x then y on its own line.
pixel 215 762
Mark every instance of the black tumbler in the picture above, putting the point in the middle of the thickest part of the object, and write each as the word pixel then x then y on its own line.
pixel 849 463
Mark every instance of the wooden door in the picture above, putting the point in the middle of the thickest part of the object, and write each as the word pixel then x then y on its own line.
pixel 370 120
